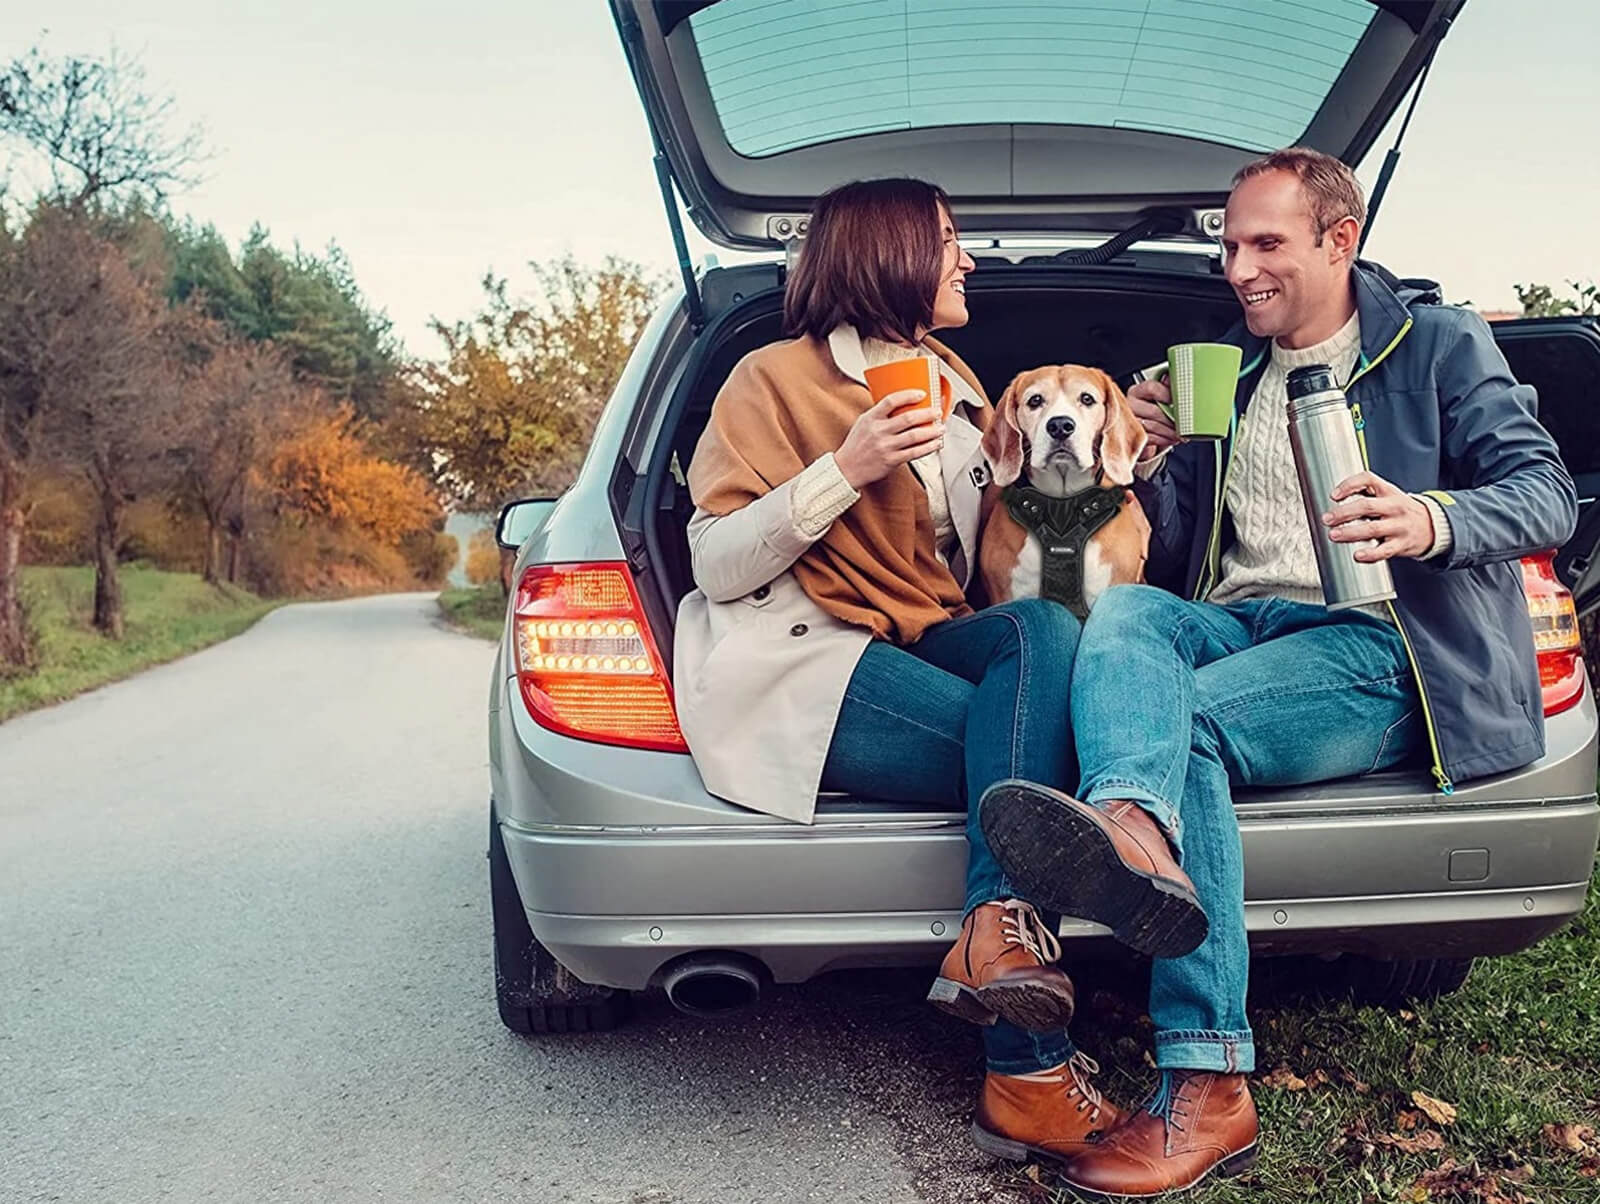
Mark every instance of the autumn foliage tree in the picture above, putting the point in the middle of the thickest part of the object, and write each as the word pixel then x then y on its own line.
pixel 511 408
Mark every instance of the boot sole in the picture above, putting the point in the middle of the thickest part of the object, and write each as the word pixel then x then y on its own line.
pixel 961 1001
pixel 1233 1164
pixel 997 1146
pixel 1028 1005
pixel 1061 860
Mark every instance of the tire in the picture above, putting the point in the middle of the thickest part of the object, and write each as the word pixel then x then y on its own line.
pixel 1392 984
pixel 534 992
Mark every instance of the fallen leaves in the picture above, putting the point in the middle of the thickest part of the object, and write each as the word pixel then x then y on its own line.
pixel 1450 1181
pixel 1283 1079
pixel 1575 1139
pixel 1436 1110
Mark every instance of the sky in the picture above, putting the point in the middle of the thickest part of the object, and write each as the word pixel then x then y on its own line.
pixel 435 143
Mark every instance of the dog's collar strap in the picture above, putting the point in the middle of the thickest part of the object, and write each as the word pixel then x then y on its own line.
pixel 1064 526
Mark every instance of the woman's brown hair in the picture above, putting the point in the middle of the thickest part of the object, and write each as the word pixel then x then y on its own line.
pixel 872 257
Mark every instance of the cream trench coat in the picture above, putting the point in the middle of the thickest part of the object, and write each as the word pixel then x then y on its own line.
pixel 759 669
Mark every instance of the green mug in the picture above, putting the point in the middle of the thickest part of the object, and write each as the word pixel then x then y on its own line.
pixel 1203 378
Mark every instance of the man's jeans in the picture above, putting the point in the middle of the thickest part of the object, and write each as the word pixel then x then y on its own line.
pixel 975 700
pixel 1173 702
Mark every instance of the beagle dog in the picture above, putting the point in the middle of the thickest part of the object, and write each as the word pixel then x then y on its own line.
pixel 1068 432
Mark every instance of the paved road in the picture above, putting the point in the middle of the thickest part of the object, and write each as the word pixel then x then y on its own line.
pixel 244 956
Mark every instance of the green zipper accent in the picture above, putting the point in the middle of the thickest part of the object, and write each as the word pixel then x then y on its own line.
pixel 1446 786
pixel 1382 355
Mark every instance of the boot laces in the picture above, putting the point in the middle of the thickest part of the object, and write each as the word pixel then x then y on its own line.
pixel 1021 925
pixel 1168 1100
pixel 1080 1066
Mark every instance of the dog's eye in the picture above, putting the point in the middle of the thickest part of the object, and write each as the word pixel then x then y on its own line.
pixel 1088 399
pixel 1035 400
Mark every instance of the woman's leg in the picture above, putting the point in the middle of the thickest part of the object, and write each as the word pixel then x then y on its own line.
pixel 1018 656
pixel 901 737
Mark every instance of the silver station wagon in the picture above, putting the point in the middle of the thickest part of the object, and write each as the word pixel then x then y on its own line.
pixel 1087 155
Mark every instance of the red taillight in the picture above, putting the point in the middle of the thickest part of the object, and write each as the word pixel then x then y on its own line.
pixel 1555 634
pixel 586 662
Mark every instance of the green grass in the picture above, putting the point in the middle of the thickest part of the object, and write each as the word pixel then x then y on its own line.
pixel 1516 1050
pixel 478 610
pixel 167 615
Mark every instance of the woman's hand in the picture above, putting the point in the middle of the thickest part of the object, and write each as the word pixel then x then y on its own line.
pixel 1162 434
pixel 881 441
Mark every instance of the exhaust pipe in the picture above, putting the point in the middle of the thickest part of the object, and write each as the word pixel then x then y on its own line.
pixel 713 986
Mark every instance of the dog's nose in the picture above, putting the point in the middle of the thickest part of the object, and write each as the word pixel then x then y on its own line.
pixel 1060 427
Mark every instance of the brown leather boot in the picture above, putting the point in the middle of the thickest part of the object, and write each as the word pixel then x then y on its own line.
pixel 1000 966
pixel 1111 865
pixel 1056 1113
pixel 1206 1123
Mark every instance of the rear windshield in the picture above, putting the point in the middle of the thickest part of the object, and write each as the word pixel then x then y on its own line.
pixel 792 73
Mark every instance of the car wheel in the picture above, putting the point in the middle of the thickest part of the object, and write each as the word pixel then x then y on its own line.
pixel 1391 984
pixel 536 993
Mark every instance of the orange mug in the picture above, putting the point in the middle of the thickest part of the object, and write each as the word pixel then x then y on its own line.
pixel 916 372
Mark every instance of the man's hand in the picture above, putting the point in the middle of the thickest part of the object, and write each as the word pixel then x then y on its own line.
pixel 1366 506
pixel 1162 434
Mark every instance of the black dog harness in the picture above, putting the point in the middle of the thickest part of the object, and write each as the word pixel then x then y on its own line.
pixel 1064 526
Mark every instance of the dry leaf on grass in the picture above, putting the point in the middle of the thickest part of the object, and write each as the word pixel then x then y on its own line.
pixel 1410 1118
pixel 1284 1079
pixel 1574 1138
pixel 1427 1140
pixel 1317 1078
pixel 1449 1181
pixel 1355 1084
pixel 1439 1112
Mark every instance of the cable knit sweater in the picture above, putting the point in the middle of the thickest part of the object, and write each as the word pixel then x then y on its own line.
pixel 1272 555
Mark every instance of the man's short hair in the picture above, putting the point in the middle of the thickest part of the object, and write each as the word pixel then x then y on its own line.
pixel 1332 190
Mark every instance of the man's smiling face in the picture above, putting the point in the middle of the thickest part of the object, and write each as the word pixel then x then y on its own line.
pixel 1286 275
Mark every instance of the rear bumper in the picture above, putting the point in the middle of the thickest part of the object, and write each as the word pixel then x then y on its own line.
pixel 614 907
pixel 624 862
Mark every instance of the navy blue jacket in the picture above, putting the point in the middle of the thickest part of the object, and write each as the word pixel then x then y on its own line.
pixel 1442 414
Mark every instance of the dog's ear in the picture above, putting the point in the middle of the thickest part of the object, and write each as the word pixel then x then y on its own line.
pixel 1002 442
pixel 1122 437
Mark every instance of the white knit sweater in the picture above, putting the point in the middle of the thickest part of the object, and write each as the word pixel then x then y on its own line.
pixel 1272 554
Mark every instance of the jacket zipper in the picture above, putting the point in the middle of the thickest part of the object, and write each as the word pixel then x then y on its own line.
pixel 1446 786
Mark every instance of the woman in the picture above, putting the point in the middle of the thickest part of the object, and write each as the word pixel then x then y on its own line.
pixel 830 640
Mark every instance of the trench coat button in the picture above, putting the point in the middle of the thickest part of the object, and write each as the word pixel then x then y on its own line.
pixel 760 592
pixel 799 629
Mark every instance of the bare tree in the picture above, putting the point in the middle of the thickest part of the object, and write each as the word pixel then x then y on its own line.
pixel 234 391
pixel 84 372
pixel 100 132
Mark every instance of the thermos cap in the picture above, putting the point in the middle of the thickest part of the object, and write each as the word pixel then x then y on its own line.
pixel 1312 378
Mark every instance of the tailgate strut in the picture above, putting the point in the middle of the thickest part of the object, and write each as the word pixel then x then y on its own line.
pixel 1392 159
pixel 691 287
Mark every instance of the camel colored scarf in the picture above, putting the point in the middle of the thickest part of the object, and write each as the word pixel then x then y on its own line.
pixel 783 407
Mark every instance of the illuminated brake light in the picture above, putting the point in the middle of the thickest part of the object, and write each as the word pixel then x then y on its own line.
pixel 586 663
pixel 1555 634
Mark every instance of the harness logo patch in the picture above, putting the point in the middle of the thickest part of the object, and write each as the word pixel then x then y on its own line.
pixel 980 475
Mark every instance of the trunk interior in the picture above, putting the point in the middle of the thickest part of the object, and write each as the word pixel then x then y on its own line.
pixel 1022 315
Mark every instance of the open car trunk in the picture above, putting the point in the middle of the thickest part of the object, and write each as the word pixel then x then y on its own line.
pixel 1120 318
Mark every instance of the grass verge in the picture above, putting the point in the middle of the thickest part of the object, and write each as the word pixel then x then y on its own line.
pixel 167 615
pixel 477 610
pixel 1488 1095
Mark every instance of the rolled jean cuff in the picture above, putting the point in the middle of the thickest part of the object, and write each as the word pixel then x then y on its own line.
pixel 1049 1050
pixel 1113 790
pixel 1203 1049
pixel 977 896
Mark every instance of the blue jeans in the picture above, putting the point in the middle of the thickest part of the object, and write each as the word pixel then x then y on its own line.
pixel 1173 702
pixel 975 700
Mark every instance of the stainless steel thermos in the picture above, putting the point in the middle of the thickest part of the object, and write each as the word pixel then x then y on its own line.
pixel 1323 435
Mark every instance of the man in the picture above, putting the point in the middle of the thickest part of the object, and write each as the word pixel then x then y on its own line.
pixel 1259 683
